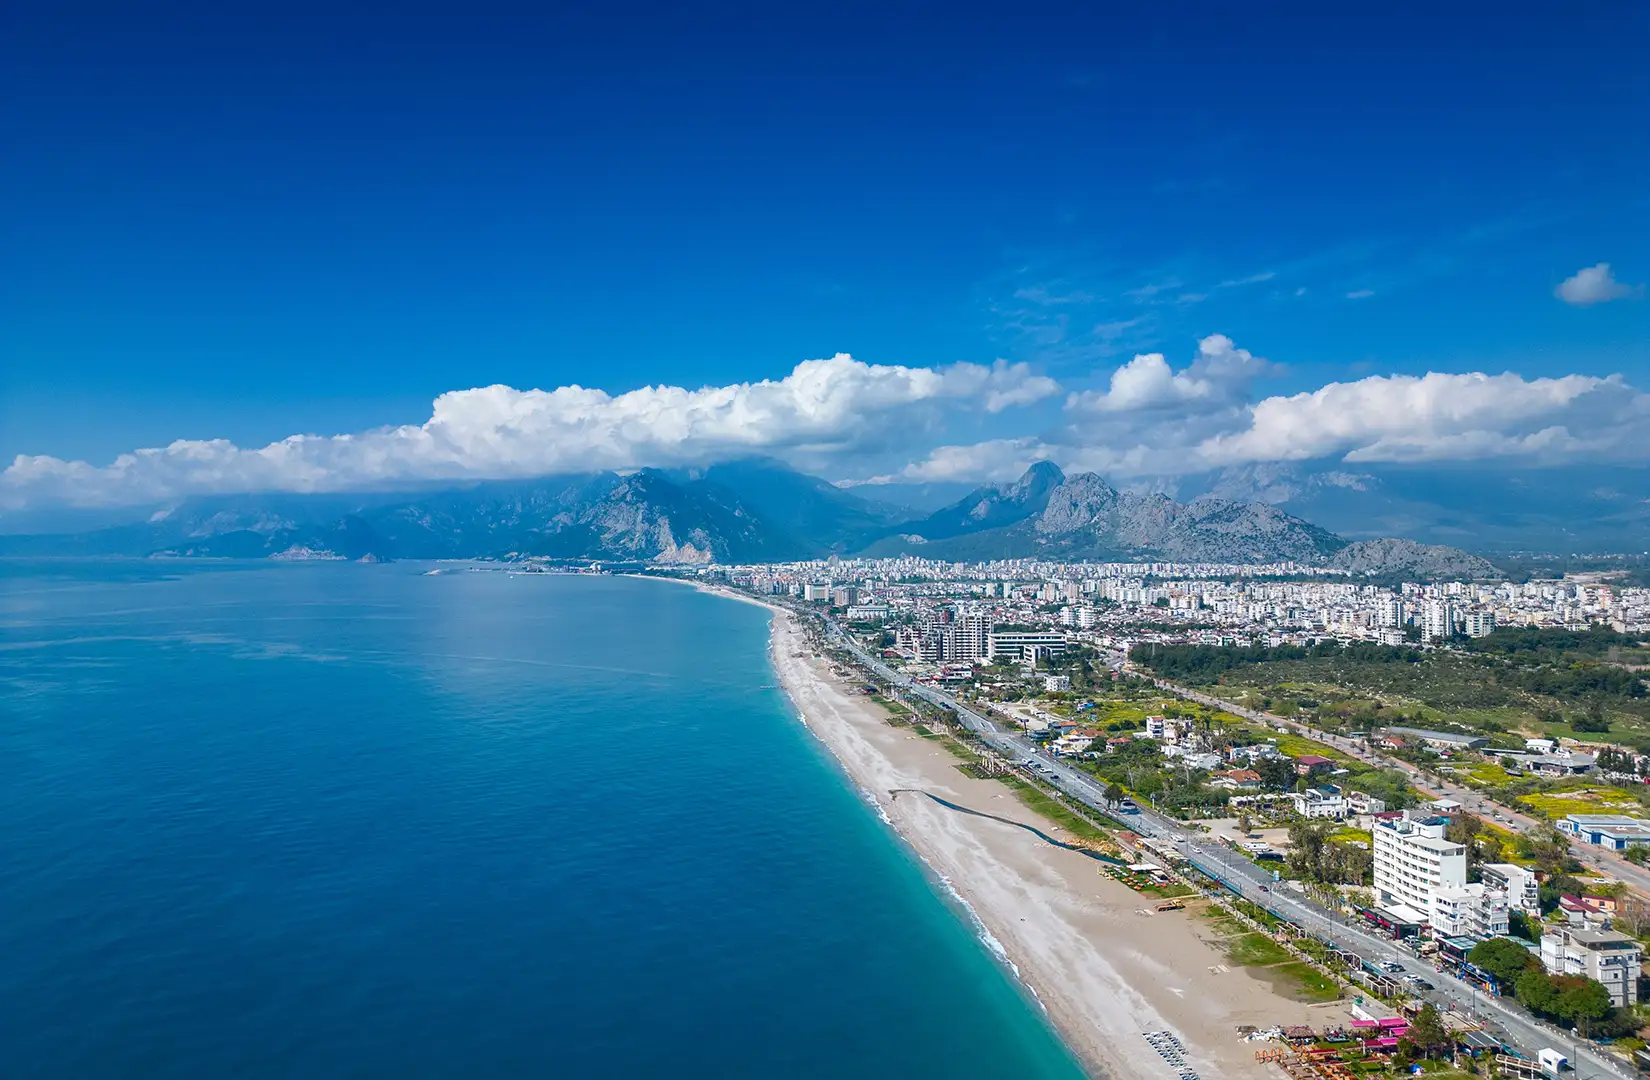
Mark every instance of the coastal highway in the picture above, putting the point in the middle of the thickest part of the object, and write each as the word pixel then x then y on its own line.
pixel 1504 1020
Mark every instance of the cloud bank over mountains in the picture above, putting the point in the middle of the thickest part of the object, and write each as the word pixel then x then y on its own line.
pixel 1154 421
pixel 1145 418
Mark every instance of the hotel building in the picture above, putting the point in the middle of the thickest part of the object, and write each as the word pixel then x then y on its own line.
pixel 1414 863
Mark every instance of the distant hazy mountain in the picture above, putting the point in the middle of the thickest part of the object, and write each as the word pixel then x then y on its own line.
pixel 1047 514
pixel 755 511
pixel 1408 559
pixel 913 499
pixel 1570 508
pixel 745 512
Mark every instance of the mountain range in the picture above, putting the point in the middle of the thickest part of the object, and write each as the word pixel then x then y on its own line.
pixel 1591 508
pixel 747 511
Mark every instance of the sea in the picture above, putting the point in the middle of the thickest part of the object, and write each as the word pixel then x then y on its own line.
pixel 331 820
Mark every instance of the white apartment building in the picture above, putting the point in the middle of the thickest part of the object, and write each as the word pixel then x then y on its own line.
pixel 1320 803
pixel 816 590
pixel 967 638
pixel 1413 862
pixel 1478 623
pixel 1605 956
pixel 1522 889
pixel 1438 620
pixel 1475 911
pixel 1019 644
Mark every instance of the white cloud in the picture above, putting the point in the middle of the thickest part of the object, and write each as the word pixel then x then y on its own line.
pixel 1252 279
pixel 1360 294
pixel 1155 422
pixel 1431 417
pixel 1220 370
pixel 982 462
pixel 498 431
pixel 1593 285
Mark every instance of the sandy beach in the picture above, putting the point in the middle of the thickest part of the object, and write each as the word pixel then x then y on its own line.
pixel 1103 964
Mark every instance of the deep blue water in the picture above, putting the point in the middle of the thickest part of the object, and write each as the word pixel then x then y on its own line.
pixel 336 820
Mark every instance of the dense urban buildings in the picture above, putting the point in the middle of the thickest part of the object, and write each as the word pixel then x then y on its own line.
pixel 1210 603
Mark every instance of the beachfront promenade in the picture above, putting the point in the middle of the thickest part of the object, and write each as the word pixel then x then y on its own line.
pixel 1253 883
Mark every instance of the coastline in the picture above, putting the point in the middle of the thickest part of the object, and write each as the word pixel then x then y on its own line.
pixel 1104 967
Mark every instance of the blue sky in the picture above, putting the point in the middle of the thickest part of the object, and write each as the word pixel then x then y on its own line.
pixel 220 226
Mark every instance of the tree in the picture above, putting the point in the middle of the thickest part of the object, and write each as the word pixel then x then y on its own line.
pixel 1276 774
pixel 1580 1000
pixel 1464 829
pixel 1536 990
pixel 1503 958
pixel 1427 1032
pixel 1114 794
pixel 1594 721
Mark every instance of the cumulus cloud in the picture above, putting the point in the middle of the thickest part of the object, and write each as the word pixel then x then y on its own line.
pixel 1430 417
pixel 500 432
pixel 983 462
pixel 1152 421
pixel 1220 370
pixel 1593 285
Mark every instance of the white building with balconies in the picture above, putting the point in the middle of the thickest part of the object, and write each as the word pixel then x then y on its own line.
pixel 1605 956
pixel 1413 863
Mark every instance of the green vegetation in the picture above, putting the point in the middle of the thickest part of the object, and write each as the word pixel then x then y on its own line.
pixel 1041 802
pixel 1555 682
pixel 1255 949
pixel 1591 800
pixel 1573 999
pixel 1306 982
pixel 1269 960
pixel 1314 856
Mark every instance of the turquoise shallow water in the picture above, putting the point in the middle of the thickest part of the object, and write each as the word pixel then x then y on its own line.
pixel 329 821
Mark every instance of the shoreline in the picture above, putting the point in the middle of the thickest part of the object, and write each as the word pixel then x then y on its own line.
pixel 1090 953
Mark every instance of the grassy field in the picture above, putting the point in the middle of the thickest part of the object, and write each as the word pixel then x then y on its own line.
pixel 1255 950
pixel 1270 961
pixel 1296 745
pixel 1483 774
pixel 1596 800
pixel 1353 836
pixel 1039 801
pixel 1304 981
